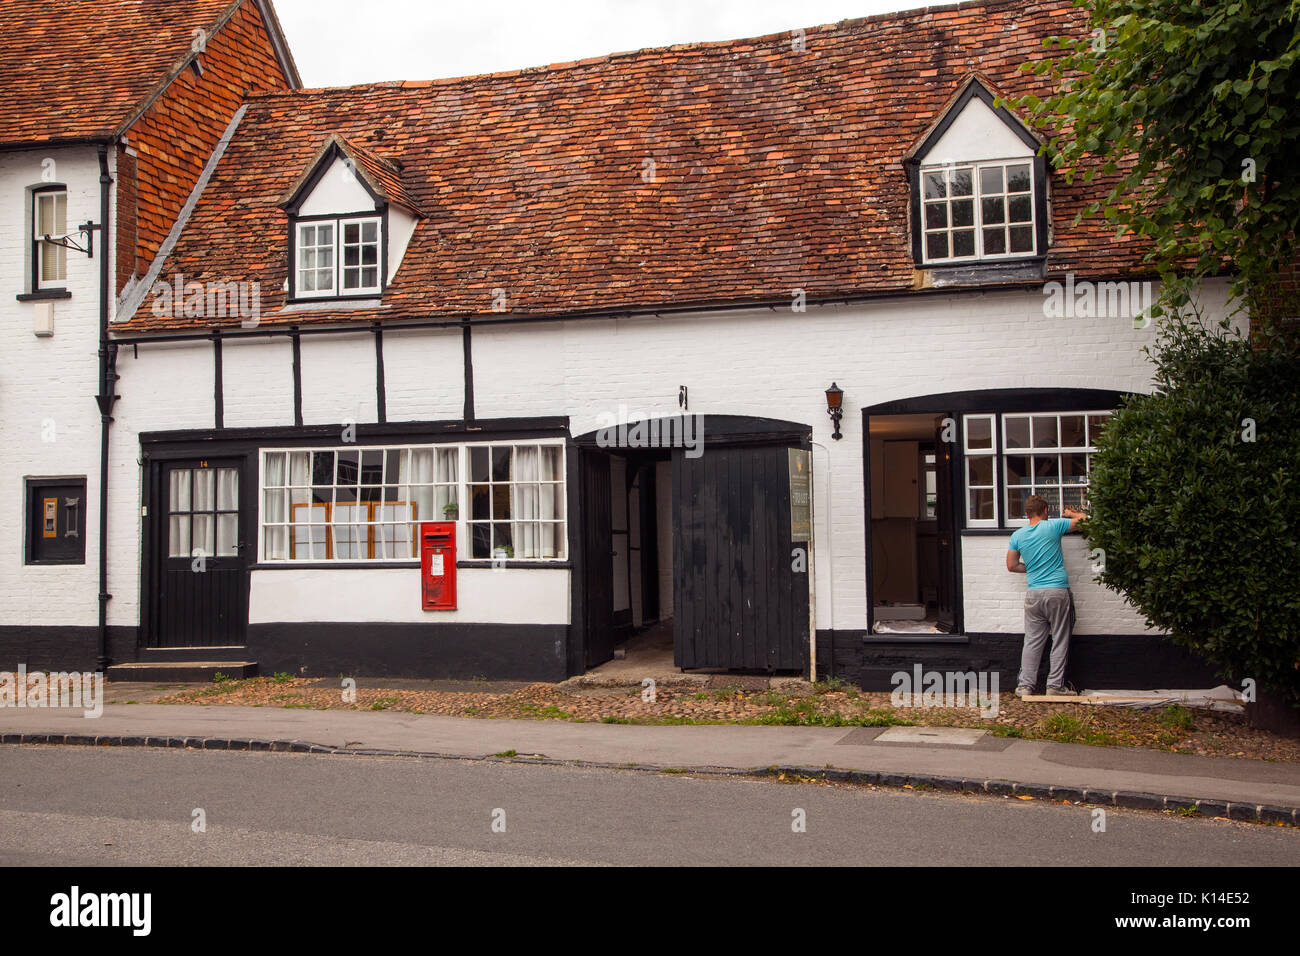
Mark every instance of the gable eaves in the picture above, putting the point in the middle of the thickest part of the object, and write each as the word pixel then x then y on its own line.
pixel 975 85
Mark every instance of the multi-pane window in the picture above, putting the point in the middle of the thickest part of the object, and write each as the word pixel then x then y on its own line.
pixel 203 512
pixel 981 467
pixel 49 219
pixel 516 496
pixel 977 211
pixel 338 257
pixel 1009 457
pixel 316 258
pixel 1048 455
pixel 366 503
pixel 361 256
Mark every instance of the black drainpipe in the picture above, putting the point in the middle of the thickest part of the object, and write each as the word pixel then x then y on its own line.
pixel 105 400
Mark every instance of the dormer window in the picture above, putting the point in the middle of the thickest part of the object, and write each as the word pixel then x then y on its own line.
pixel 350 221
pixel 339 257
pixel 984 210
pixel 979 187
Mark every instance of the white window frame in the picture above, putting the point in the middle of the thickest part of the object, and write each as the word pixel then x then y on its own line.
pixel 976 197
pixel 1087 450
pixel 39 244
pixel 461 485
pixel 338 225
pixel 968 453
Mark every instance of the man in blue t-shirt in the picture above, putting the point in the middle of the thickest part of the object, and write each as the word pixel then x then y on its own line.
pixel 1035 551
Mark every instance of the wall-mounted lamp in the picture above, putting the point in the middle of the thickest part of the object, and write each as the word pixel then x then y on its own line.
pixel 834 401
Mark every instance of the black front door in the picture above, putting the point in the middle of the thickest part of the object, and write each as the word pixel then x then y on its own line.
pixel 597 558
pixel 201 594
pixel 740 593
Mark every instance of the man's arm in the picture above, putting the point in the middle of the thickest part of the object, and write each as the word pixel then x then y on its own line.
pixel 1074 516
pixel 1014 564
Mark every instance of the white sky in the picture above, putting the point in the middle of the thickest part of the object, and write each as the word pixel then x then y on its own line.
pixel 343 42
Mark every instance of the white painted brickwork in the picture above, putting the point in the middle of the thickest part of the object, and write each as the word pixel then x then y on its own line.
pixel 995 598
pixel 47 389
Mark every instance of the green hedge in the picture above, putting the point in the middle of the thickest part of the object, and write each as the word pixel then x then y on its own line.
pixel 1197 521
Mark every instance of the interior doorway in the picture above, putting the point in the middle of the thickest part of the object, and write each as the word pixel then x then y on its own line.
pixel 913 546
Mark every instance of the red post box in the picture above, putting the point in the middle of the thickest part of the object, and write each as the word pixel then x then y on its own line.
pixel 438 565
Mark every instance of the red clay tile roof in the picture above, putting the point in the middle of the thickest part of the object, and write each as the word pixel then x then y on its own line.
pixel 773 170
pixel 80 69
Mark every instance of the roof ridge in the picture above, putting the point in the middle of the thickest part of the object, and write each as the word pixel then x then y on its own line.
pixel 701 45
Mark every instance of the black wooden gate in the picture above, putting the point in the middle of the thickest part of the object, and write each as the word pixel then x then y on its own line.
pixel 739 602
pixel 597 550
pixel 200 575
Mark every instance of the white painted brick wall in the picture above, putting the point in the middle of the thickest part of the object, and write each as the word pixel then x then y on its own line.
pixel 48 381
pixel 995 598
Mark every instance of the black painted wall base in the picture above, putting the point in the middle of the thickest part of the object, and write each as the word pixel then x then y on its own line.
pixel 1127 661
pixel 60 648
pixel 532 652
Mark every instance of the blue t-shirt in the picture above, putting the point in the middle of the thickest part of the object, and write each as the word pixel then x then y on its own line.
pixel 1040 548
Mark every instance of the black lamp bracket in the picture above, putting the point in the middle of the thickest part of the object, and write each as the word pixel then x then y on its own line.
pixel 86 229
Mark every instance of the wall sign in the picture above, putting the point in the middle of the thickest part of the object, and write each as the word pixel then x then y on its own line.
pixel 800 461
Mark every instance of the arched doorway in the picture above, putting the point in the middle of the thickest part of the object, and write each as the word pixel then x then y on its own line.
pixel 688 518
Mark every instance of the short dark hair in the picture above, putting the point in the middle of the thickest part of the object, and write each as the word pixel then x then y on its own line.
pixel 1036 506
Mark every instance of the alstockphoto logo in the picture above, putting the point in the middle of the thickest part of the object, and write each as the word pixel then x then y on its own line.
pixel 956 689
pixel 76 908
pixel 207 300
pixel 1084 299
pixel 57 689
pixel 623 431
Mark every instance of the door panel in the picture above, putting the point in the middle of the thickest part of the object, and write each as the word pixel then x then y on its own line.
pixel 200 554
pixel 738 602
pixel 597 552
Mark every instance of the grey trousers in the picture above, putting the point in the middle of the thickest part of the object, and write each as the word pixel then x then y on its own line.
pixel 1048 611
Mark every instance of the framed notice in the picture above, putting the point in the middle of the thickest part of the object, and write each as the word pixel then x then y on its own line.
pixel 800 461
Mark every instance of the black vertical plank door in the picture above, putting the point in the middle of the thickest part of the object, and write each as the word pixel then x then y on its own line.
pixel 598 550
pixel 738 602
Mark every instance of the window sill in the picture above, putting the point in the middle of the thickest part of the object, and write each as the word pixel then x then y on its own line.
pixel 511 563
pixel 985 271
pixel 985 532
pixel 308 304
pixel 42 295
pixel 915 639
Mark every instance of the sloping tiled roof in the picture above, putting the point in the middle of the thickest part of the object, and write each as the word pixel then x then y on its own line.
pixel 80 69
pixel 692 175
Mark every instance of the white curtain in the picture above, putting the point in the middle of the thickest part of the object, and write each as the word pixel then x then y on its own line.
pixel 524 503
pixel 274 511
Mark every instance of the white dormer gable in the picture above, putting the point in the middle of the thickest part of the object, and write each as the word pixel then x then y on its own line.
pixel 977 133
pixel 338 191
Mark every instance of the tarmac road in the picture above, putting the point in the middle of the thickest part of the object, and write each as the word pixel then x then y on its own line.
pixel 85 806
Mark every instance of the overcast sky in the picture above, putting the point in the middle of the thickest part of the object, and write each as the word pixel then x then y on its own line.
pixel 342 42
